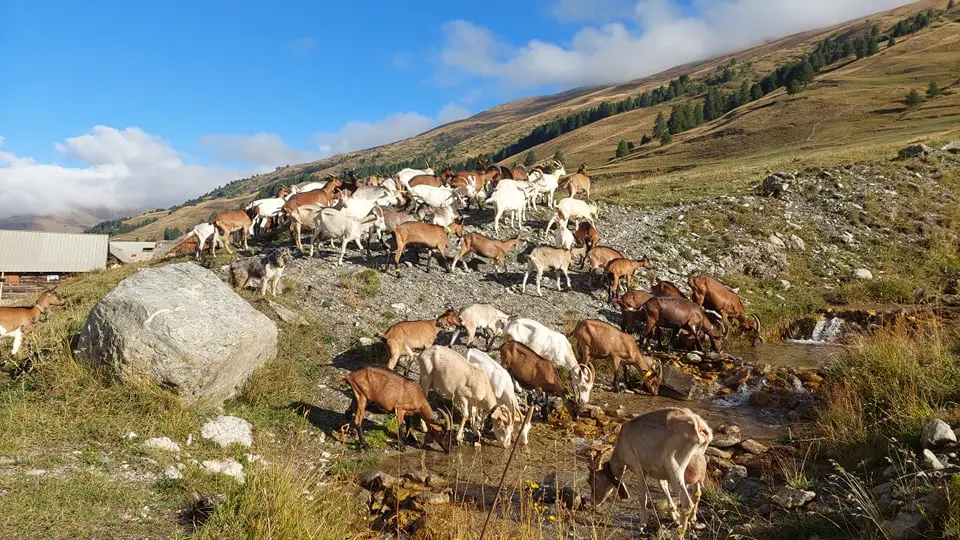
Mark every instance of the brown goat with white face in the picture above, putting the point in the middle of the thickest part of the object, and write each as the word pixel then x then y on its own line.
pixel 662 445
pixel 485 247
pixel 598 339
pixel 17 322
pixel 389 392
pixel 408 336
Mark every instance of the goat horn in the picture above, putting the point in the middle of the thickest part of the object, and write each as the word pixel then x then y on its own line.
pixel 593 373
pixel 754 317
pixel 447 418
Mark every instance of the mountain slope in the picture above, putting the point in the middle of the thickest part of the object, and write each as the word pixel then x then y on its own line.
pixel 852 109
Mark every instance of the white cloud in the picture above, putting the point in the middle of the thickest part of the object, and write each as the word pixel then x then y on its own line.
pixel 451 112
pixel 263 150
pixel 120 170
pixel 654 38
pixel 591 10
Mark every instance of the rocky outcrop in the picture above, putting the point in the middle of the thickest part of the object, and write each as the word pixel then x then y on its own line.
pixel 178 326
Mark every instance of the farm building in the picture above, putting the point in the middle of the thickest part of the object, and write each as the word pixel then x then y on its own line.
pixel 130 252
pixel 31 257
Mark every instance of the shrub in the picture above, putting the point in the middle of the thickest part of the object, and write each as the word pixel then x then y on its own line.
pixel 365 283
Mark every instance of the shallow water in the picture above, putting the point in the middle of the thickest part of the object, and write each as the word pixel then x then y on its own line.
pixel 790 353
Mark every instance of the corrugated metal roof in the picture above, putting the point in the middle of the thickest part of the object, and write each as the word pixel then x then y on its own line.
pixel 30 251
pixel 133 252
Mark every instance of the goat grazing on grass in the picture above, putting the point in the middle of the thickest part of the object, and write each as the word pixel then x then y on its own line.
pixel 483 317
pixel 555 347
pixel 505 388
pixel 711 294
pixel 264 271
pixel 620 269
pixel 18 322
pixel 598 339
pixel 544 258
pixel 229 222
pixel 388 392
pixel 485 247
pixel 452 376
pixel 407 336
pixel 666 445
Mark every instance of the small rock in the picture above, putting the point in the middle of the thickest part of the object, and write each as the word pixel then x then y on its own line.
pixel 846 237
pixel 718 453
pixel 366 342
pixel 734 475
pixel 790 497
pixel 172 473
pixel 429 498
pixel 784 285
pixel 953 147
pixel 570 499
pixel 929 460
pixel 753 447
pixel 162 443
pixel 906 524
pixel 937 433
pixel 693 358
pixel 880 489
pixel 914 150
pixel 131 435
pixel 399 307
pixel 776 242
pixel 796 243
pixel 376 480
pixel 287 315
pixel 862 273
pixel 227 430
pixel 724 464
pixel 229 467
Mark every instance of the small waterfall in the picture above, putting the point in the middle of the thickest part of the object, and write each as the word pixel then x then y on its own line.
pixel 741 396
pixel 826 330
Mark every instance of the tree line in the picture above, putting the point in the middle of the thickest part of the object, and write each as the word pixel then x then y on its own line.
pixel 114 227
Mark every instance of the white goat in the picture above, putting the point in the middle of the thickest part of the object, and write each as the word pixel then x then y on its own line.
pixel 505 388
pixel 204 231
pixel 336 224
pixel 452 376
pixel 546 183
pixel 508 199
pixel 434 197
pixel 564 238
pixel 544 258
pixel 552 346
pixel 480 316
pixel 310 186
pixel 575 209
pixel 405 175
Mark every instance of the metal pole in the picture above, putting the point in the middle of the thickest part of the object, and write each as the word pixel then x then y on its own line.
pixel 2 281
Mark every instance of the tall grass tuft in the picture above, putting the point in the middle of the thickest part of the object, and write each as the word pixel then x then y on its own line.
pixel 889 385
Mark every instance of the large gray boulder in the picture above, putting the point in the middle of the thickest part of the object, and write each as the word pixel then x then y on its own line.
pixel 181 327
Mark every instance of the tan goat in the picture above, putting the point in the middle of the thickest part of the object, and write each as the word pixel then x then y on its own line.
pixel 577 182
pixel 485 247
pixel 623 268
pixel 598 339
pixel 228 223
pixel 323 196
pixel 544 258
pixel 407 336
pixel 421 235
pixel 17 322
pixel 598 257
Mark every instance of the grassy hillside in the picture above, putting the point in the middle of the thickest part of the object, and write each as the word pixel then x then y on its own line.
pixel 852 109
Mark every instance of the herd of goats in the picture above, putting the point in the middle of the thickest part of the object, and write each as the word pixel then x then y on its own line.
pixel 420 209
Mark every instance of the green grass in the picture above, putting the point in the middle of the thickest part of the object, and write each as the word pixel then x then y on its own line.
pixel 365 283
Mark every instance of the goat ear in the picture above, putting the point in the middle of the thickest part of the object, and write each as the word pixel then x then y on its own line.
pixel 622 491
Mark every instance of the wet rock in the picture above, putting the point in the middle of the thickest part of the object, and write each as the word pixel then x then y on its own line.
pixel 693 358
pixel 914 150
pixel 929 460
pixel 677 384
pixel 753 447
pixel 937 433
pixel 733 475
pixel 863 273
pixel 570 499
pixel 718 453
pixel 287 315
pixel 227 430
pixel 790 497
pixel 738 377
pixel 162 443
pixel 229 467
pixel 762 398
pixel 724 464
pixel 376 480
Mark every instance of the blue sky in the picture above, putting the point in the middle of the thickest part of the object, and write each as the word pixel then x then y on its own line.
pixel 120 104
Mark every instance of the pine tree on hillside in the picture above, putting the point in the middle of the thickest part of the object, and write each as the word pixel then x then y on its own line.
pixel 793 87
pixel 756 92
pixel 698 114
pixel 558 155
pixel 645 139
pixel 892 41
pixel 913 98
pixel 622 148
pixel 872 46
pixel 950 4
pixel 666 138
pixel 933 90
pixel 530 159
pixel 659 126
pixel 860 47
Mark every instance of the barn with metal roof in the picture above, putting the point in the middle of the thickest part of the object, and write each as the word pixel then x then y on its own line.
pixel 30 252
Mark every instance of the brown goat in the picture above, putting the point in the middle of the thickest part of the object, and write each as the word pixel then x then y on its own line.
pixel 17 322
pixel 485 247
pixel 229 222
pixel 321 197
pixel 623 268
pixel 388 392
pixel 598 257
pixel 425 180
pixel 586 235
pixel 530 369
pixel 629 305
pixel 665 288
pixel 710 293
pixel 577 182
pixel 598 339
pixel 406 336
pixel 680 314
pixel 419 235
